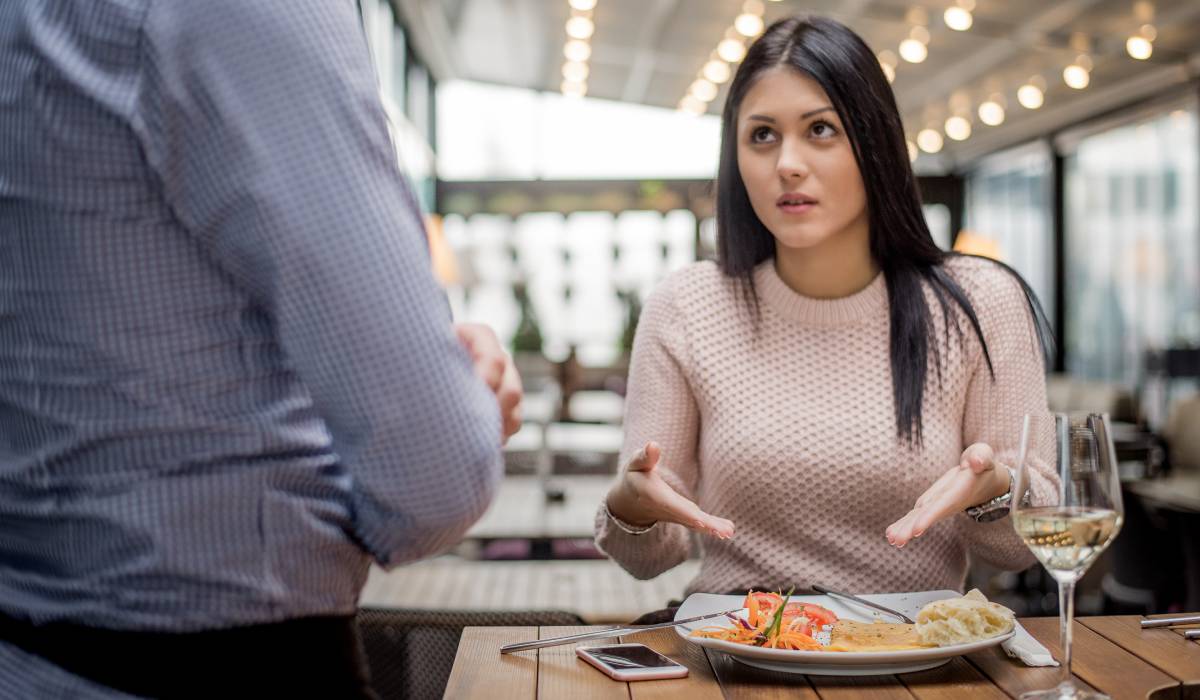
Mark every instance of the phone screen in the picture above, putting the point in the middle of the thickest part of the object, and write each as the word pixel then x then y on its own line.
pixel 631 657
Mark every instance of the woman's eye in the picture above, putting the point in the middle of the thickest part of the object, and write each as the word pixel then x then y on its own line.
pixel 761 135
pixel 823 130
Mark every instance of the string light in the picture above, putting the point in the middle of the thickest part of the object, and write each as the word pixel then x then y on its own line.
pixel 1030 96
pixel 1076 77
pixel 748 25
pixel 958 128
pixel 717 71
pixel 1141 45
pixel 913 51
pixel 580 27
pixel 929 140
pixel 577 50
pixel 575 72
pixel 731 50
pixel 958 16
pixel 991 111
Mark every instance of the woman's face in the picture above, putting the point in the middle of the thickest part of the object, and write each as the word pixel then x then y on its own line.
pixel 797 163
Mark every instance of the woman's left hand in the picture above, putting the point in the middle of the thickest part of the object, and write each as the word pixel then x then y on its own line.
pixel 976 479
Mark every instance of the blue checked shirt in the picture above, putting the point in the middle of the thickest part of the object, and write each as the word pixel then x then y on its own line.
pixel 228 379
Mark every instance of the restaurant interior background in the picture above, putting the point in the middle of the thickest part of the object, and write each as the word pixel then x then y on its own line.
pixel 565 152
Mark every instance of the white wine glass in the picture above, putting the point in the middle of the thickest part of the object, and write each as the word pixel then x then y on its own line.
pixel 1082 519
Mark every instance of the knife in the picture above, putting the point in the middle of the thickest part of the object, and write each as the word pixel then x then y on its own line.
pixel 605 633
pixel 863 601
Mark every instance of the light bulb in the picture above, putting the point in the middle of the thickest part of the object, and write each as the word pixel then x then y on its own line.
pixel 1075 76
pixel 929 140
pixel 582 5
pixel 991 113
pixel 912 151
pixel 888 72
pixel 703 90
pixel 575 72
pixel 580 27
pixel 731 50
pixel 748 24
pixel 577 50
pixel 913 51
pixel 716 71
pixel 1030 96
pixel 958 18
pixel 1139 47
pixel 958 128
pixel 573 89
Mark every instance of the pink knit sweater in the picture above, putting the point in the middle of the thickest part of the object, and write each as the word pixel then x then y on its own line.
pixel 790 433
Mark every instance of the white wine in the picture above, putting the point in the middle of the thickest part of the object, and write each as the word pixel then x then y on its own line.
pixel 1066 540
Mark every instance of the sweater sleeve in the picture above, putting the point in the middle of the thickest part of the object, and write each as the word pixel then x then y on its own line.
pixel 660 407
pixel 995 408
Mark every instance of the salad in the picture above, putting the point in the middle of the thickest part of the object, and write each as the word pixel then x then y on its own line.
pixel 775 623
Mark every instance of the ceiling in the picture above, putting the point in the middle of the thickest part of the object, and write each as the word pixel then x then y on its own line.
pixel 650 51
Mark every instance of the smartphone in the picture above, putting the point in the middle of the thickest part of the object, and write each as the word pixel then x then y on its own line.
pixel 631 662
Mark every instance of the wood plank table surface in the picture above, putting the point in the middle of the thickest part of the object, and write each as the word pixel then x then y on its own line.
pixel 1111 654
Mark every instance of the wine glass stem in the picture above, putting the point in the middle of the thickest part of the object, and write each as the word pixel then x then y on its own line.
pixel 1066 613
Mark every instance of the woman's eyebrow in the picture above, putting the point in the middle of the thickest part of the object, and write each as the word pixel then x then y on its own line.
pixel 771 120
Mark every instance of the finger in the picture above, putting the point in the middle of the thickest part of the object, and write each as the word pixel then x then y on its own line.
pixel 900 532
pixel 512 422
pixel 978 458
pixel 946 504
pixel 687 513
pixel 645 459
pixel 510 393
pixel 937 487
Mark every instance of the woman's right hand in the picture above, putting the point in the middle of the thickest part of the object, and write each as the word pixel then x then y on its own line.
pixel 642 498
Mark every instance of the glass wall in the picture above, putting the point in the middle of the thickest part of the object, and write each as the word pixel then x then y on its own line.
pixel 1133 243
pixel 577 273
pixel 405 89
pixel 1009 213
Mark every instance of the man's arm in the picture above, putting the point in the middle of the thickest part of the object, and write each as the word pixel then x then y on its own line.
pixel 263 123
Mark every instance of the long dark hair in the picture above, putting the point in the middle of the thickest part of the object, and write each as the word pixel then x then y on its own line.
pixel 841 62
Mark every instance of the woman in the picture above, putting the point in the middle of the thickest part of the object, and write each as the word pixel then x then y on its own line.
pixel 835 387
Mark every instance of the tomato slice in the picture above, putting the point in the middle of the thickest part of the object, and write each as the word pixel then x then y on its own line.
pixel 819 615
pixel 794 620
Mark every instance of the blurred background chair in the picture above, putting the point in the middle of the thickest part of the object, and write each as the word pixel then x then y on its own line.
pixel 410 652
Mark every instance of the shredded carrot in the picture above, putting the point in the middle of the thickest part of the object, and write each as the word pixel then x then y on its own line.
pixel 752 606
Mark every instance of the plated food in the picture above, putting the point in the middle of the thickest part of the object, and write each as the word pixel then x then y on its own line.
pixel 771 621
pixel 962 620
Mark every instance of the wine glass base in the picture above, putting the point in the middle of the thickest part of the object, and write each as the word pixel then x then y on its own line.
pixel 1064 691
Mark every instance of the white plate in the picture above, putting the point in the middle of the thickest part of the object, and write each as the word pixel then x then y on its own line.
pixel 831 663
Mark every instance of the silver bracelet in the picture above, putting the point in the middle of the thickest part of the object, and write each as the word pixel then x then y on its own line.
pixel 624 526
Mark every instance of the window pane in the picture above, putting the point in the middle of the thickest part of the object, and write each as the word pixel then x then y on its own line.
pixel 1009 215
pixel 1133 261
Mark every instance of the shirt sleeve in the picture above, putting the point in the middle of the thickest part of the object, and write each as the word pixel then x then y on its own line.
pixel 660 407
pixel 263 122
pixel 996 407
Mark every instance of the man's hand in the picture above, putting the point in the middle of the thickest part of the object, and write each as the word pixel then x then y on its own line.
pixel 495 367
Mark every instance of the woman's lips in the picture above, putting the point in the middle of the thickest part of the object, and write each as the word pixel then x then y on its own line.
pixel 795 203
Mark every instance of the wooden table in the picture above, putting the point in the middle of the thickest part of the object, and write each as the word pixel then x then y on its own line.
pixel 520 509
pixel 1112 654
